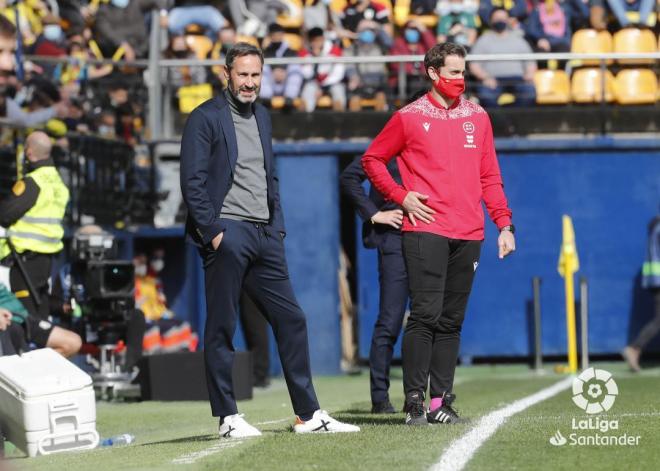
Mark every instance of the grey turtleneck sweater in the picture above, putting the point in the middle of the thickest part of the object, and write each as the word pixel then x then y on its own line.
pixel 247 199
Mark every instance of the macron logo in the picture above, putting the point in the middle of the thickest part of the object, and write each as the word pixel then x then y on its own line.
pixel 427 126
pixel 474 266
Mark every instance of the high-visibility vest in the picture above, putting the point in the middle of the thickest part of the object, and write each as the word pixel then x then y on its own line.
pixel 40 228
pixel 651 267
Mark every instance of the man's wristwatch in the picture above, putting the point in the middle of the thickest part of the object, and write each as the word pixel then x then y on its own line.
pixel 511 228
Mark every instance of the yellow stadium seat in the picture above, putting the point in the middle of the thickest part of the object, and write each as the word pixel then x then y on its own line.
pixel 590 41
pixel 242 38
pixel 552 87
pixel 293 22
pixel 401 12
pixel 636 87
pixel 200 45
pixel 324 102
pixel 587 86
pixel 192 96
pixel 633 40
pixel 295 41
pixel 338 5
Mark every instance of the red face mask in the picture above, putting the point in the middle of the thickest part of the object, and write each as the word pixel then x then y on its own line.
pixel 451 88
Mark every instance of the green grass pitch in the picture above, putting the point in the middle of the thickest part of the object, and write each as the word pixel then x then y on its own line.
pixel 183 435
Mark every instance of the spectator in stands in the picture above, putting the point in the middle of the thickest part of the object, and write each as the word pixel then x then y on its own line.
pixel 252 17
pixel 322 79
pixel 458 23
pixel 517 10
pixel 368 80
pixel 9 108
pixel 121 24
pixel 318 14
pixel 415 40
pixel 359 10
pixel 198 12
pixel 626 12
pixel 179 77
pixel 496 78
pixel 25 329
pixel 548 27
pixel 106 124
pixel 283 81
pixel 78 69
pixel 51 40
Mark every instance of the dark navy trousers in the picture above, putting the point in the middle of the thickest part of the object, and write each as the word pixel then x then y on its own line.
pixel 393 301
pixel 251 257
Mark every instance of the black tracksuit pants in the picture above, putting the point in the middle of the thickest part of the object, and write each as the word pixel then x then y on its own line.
pixel 440 274
pixel 251 257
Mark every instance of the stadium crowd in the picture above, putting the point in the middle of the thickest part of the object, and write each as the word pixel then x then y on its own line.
pixel 111 100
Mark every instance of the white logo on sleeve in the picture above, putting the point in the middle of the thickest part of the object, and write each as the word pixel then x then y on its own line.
pixel 427 126
pixel 474 266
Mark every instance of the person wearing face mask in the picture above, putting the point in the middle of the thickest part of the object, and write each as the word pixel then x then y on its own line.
pixel 33 215
pixel 283 80
pixel 51 40
pixel 516 9
pixel 368 80
pixel 120 24
pixel 457 23
pixel 496 78
pixel 415 39
pixel 448 166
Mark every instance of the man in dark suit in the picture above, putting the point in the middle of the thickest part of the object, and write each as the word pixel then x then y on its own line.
pixel 235 219
pixel 382 230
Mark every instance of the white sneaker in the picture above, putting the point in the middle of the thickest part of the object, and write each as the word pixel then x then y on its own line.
pixel 321 422
pixel 234 426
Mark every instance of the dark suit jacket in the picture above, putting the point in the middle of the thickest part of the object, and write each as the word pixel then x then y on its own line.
pixel 208 157
pixel 351 185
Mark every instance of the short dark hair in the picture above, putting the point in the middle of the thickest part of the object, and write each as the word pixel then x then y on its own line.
pixel 315 33
pixel 435 57
pixel 7 28
pixel 240 50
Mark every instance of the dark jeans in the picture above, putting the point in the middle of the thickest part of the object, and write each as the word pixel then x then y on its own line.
pixel 524 92
pixel 393 300
pixel 255 330
pixel 651 329
pixel 37 267
pixel 440 273
pixel 251 258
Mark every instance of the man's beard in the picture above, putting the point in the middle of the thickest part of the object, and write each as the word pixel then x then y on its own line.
pixel 237 92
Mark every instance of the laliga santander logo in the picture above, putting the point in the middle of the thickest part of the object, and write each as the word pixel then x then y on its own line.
pixel 594 391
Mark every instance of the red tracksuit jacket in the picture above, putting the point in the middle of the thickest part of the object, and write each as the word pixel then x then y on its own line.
pixel 448 154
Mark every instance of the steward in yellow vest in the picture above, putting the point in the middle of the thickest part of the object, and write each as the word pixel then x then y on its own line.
pixel 33 215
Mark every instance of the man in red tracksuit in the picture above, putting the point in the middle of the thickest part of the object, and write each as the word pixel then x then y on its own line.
pixel 448 167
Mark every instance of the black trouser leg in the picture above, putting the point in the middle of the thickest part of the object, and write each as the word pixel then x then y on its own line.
pixel 393 299
pixel 255 329
pixel 652 327
pixel 38 268
pixel 440 273
pixel 446 342
pixel 267 283
pixel 426 261
pixel 224 271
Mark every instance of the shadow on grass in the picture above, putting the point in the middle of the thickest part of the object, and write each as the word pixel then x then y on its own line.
pixel 193 439
pixel 360 416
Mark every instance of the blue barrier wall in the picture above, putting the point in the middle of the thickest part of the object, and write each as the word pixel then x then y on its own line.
pixel 610 187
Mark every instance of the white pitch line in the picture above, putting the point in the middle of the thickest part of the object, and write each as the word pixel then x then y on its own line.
pixel 269 422
pixel 190 458
pixel 459 453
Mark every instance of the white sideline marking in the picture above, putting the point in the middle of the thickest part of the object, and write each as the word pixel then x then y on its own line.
pixel 190 458
pixel 278 421
pixel 457 455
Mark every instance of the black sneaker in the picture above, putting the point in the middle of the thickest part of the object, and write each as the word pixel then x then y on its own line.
pixel 414 409
pixel 384 407
pixel 445 414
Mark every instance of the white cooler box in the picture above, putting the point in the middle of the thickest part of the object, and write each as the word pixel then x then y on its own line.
pixel 47 404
